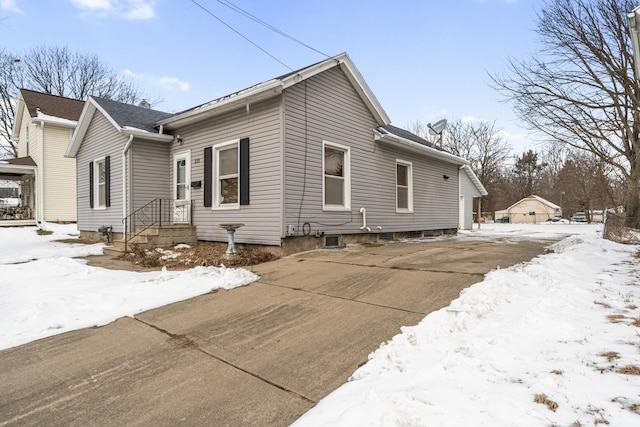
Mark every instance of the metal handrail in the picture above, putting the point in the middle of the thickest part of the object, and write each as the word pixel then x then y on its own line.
pixel 156 212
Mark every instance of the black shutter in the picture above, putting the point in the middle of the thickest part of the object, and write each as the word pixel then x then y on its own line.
pixel 91 184
pixel 107 181
pixel 208 175
pixel 244 171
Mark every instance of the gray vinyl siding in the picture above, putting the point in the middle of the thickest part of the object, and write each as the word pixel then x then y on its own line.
pixel 336 114
pixel 101 140
pixel 150 172
pixel 469 190
pixel 261 218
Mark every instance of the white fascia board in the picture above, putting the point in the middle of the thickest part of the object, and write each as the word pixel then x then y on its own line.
pixel 17 123
pixel 56 121
pixel 251 95
pixel 6 168
pixel 81 128
pixel 365 92
pixel 355 78
pixel 474 178
pixel 149 136
pixel 419 148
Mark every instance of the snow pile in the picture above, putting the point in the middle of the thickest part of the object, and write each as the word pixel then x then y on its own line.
pixel 43 291
pixel 552 342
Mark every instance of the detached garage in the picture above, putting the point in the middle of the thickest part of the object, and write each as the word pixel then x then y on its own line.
pixel 530 210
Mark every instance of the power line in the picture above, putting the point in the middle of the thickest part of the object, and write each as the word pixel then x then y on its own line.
pixel 243 12
pixel 259 21
pixel 240 34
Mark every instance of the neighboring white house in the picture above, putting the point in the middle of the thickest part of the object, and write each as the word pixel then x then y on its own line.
pixel 530 210
pixel 42 129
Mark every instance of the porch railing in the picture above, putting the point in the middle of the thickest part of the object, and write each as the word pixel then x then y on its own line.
pixel 157 212
pixel 12 212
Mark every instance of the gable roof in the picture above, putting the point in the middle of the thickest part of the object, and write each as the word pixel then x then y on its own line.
pixel 51 105
pixel 131 116
pixel 47 108
pixel 274 87
pixel 537 198
pixel 128 119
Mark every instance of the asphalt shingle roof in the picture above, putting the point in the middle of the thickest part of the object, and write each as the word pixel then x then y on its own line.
pixel 134 116
pixel 410 136
pixel 51 105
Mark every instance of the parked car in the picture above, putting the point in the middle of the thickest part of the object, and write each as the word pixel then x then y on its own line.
pixel 579 217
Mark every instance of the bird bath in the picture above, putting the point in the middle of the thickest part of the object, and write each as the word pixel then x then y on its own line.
pixel 231 229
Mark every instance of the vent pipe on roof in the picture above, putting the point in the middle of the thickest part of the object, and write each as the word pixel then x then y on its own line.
pixel 144 104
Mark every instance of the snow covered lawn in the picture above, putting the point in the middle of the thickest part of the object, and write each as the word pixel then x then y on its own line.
pixel 45 291
pixel 553 342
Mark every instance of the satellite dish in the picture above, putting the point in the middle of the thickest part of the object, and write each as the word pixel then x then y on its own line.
pixel 437 127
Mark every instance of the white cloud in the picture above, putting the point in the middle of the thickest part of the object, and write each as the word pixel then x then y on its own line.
pixel 165 82
pixel 10 5
pixel 140 10
pixel 93 4
pixel 173 82
pixel 126 9
pixel 470 119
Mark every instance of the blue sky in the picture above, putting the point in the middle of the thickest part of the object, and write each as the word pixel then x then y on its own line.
pixel 423 59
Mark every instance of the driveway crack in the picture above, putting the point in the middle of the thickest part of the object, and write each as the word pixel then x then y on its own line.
pixel 183 341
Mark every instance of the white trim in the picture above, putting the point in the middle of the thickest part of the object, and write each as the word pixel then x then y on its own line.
pixel 409 166
pixel 346 177
pixel 276 86
pixel 185 203
pixel 96 184
pixel 216 205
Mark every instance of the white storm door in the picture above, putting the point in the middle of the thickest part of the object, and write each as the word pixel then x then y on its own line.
pixel 182 188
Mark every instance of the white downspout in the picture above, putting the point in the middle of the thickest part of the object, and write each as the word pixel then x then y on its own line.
pixel 40 207
pixel 124 178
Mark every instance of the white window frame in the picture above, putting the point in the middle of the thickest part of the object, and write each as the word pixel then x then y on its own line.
pixel 346 177
pixel 96 184
pixel 217 205
pixel 409 166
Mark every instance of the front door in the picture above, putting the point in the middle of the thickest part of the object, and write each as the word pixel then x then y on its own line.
pixel 181 188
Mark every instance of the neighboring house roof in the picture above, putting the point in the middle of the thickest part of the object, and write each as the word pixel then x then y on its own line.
pixel 48 108
pixel 534 197
pixel 52 105
pixel 274 87
pixel 132 120
pixel 12 168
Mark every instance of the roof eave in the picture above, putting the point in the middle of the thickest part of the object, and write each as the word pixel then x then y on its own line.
pixel 148 136
pixel 419 148
pixel 474 178
pixel 249 96
pixel 17 169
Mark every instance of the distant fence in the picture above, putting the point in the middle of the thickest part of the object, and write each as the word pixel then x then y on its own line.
pixel 615 229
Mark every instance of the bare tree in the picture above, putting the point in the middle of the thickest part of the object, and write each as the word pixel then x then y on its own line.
pixel 58 71
pixel 580 88
pixel 482 144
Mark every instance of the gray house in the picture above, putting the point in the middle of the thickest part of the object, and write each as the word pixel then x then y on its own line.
pixel 304 160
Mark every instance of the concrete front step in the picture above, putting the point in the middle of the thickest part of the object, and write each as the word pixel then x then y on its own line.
pixel 159 237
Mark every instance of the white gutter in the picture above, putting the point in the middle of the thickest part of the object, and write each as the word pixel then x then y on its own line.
pixel 124 177
pixel 432 152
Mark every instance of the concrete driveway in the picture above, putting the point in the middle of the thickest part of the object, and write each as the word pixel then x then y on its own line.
pixel 259 355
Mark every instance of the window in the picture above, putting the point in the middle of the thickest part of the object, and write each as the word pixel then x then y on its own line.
pixel 337 177
pixel 226 174
pixel 404 187
pixel 99 183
